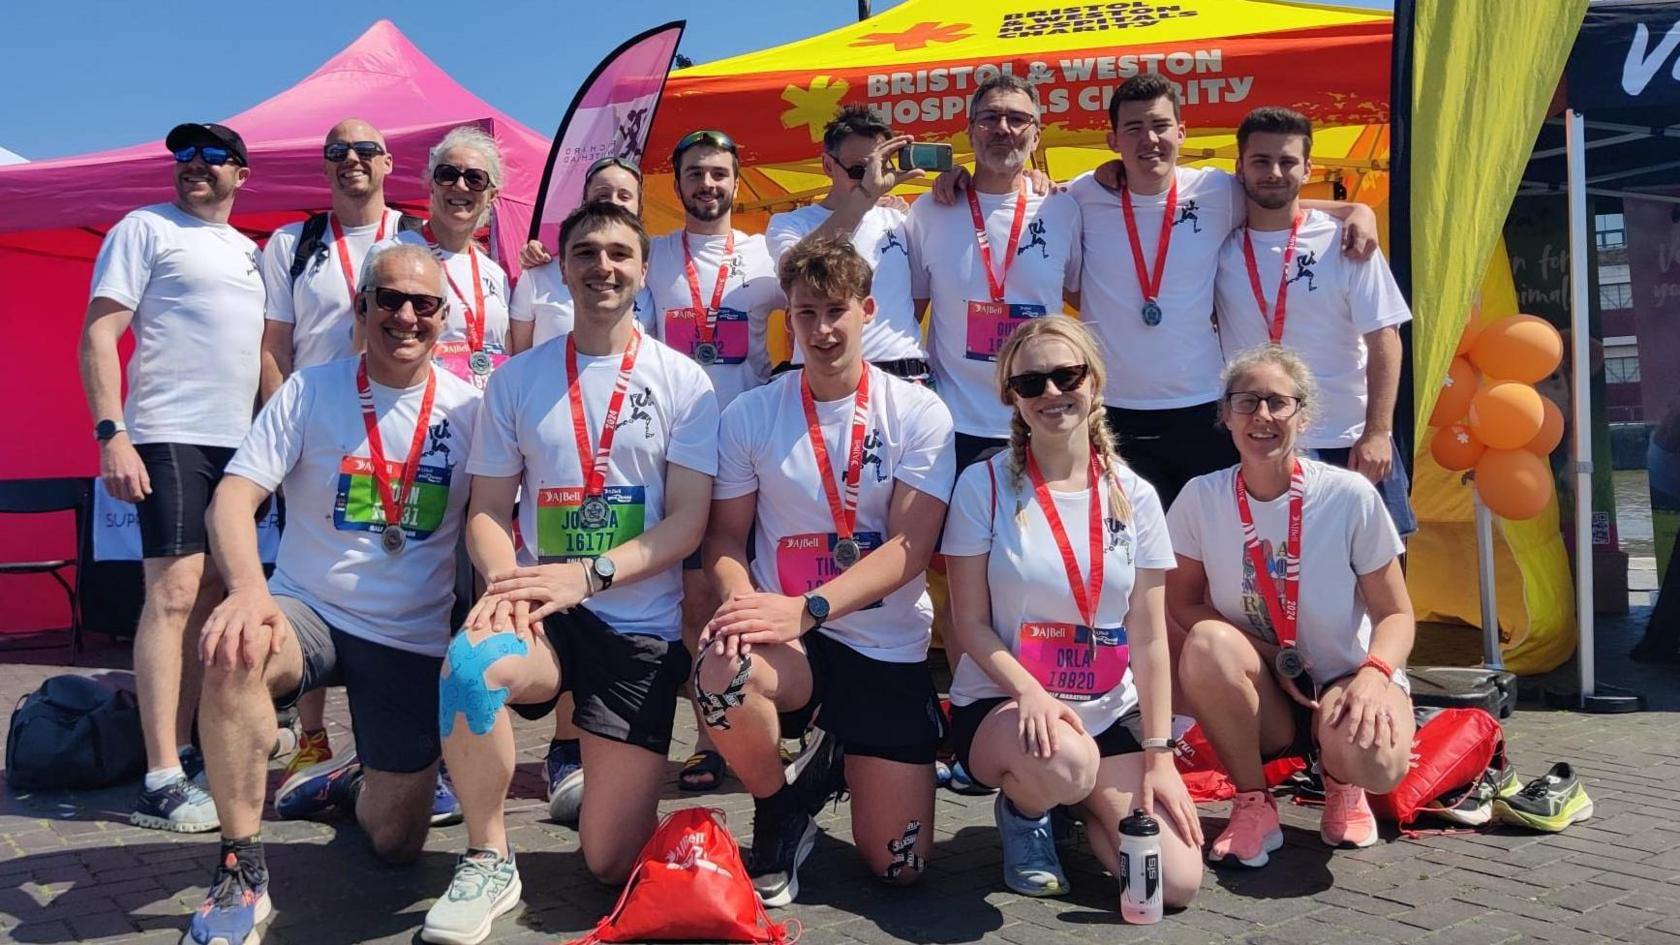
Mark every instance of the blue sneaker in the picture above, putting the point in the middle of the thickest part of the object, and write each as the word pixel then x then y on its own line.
pixel 1030 864
pixel 237 902
pixel 179 806
pixel 563 769
pixel 963 783
pixel 319 788
pixel 192 762
pixel 446 809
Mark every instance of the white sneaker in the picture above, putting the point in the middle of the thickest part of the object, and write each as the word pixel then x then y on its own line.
pixel 486 885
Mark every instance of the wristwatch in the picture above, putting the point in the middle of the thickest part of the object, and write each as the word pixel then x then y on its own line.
pixel 1160 744
pixel 817 606
pixel 603 569
pixel 105 429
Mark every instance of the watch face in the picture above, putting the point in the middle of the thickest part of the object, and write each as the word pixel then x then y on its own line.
pixel 817 606
pixel 605 567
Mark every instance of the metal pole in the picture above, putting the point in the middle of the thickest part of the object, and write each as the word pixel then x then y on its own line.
pixel 1491 657
pixel 1580 367
pixel 863 10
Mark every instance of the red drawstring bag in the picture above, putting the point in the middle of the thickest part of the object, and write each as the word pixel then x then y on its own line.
pixel 689 885
pixel 1205 776
pixel 1452 748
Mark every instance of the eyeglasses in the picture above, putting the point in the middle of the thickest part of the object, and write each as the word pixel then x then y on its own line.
pixel 618 162
pixel 855 172
pixel 991 120
pixel 210 154
pixel 1280 406
pixel 392 300
pixel 337 151
pixel 1031 384
pixel 715 139
pixel 447 174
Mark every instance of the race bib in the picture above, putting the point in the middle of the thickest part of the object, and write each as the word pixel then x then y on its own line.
pixel 561 535
pixel 357 508
pixel 1060 656
pixel 456 358
pixel 806 562
pixel 729 334
pixel 991 323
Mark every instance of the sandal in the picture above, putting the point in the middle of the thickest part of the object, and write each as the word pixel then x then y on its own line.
pixel 703 771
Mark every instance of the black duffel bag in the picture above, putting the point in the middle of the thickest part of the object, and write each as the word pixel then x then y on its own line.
pixel 76 732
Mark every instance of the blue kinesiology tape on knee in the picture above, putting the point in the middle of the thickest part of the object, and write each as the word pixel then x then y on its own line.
pixel 713 705
pixel 903 851
pixel 463 690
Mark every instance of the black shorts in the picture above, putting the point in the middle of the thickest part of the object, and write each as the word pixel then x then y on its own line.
pixel 393 693
pixel 875 708
pixel 969 448
pixel 1123 737
pixel 624 685
pixel 1171 447
pixel 184 476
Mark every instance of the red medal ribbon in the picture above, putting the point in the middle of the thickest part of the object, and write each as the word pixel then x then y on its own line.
pixel 475 312
pixel 705 326
pixel 1150 284
pixel 595 469
pixel 1274 320
pixel 844 512
pixel 1086 596
pixel 1285 612
pixel 344 251
pixel 390 498
pixel 995 282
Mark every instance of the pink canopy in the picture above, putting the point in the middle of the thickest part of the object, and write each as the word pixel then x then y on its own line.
pixel 57 211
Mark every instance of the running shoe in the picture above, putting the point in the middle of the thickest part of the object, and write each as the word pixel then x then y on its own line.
pixel 1472 805
pixel 1064 826
pixel 1253 833
pixel 1503 776
pixel 237 902
pixel 783 835
pixel 963 783
pixel 1550 802
pixel 1031 866
pixel 563 769
pixel 192 762
pixel 819 773
pixel 446 809
pixel 323 787
pixel 180 806
pixel 486 885
pixel 312 749
pixel 1347 820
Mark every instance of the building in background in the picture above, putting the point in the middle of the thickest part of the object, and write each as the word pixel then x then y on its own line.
pixel 1615 303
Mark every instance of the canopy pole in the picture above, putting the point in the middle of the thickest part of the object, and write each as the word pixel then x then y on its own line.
pixel 1580 367
pixel 1491 658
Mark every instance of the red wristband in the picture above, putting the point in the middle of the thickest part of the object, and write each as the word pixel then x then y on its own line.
pixel 1379 666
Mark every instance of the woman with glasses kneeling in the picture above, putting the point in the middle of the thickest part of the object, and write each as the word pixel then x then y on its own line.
pixel 1267 669
pixel 1056 554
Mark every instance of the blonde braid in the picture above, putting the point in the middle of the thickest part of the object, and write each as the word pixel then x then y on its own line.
pixel 1020 439
pixel 1102 444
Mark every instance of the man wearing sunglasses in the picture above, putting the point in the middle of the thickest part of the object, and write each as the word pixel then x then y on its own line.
pixel 187 283
pixel 858 152
pixel 371 452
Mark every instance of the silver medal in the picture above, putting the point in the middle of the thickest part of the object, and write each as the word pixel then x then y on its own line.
pixel 594 512
pixel 479 362
pixel 1151 314
pixel 847 552
pixel 1289 662
pixel 706 353
pixel 392 539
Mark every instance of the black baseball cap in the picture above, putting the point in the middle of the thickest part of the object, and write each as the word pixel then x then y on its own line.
pixel 210 133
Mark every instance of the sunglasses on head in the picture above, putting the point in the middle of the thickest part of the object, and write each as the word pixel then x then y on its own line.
pixel 618 162
pixel 337 151
pixel 1032 383
pixel 209 153
pixel 715 139
pixel 447 174
pixel 392 300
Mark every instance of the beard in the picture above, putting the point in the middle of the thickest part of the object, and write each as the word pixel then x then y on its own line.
pixel 695 209
pixel 1271 198
pixel 1004 158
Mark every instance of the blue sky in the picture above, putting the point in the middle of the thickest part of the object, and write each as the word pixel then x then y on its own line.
pixel 95 74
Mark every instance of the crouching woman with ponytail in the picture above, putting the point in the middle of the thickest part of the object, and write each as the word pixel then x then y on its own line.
pixel 1057 554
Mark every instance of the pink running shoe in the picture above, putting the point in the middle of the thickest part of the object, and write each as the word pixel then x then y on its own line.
pixel 1252 834
pixel 1348 822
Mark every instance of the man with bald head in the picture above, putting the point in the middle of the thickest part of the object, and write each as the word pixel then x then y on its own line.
pixel 370 451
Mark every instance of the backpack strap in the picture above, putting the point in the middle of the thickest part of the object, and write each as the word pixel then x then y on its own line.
pixel 310 239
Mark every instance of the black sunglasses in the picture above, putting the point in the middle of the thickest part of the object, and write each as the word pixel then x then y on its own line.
pixel 211 155
pixel 447 174
pixel 1031 384
pixel 392 300
pixel 337 151
pixel 715 139
pixel 855 172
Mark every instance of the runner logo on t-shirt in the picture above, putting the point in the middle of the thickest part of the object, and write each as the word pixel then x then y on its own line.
pixel 892 242
pixel 1187 214
pixel 1304 263
pixel 872 455
pixel 1035 230
pixel 436 434
pixel 639 404
pixel 1118 537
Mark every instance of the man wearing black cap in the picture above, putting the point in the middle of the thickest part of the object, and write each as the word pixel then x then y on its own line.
pixel 188 282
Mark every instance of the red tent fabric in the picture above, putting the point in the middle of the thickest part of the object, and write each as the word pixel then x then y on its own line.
pixel 57 211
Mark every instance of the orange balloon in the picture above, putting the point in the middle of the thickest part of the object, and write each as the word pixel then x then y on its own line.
pixel 1472 331
pixel 1456 390
pixel 1518 348
pixel 1513 484
pixel 1456 448
pixel 1551 430
pixel 1506 415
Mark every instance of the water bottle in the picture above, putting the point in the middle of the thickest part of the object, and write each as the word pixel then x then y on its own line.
pixel 1140 869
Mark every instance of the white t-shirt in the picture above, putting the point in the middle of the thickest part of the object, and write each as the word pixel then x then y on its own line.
pixel 458 294
pixel 946 268
pixel 743 323
pixel 1029 589
pixel 541 296
pixel 669 415
pixel 1333 302
pixel 197 297
pixel 1177 362
pixel 318 305
pixel 310 439
pixel 879 238
pixel 764 446
pixel 1345 532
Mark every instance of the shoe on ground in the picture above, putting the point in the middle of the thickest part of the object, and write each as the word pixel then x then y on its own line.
pixel 563 770
pixel 783 835
pixel 1031 866
pixel 192 762
pixel 486 885
pixel 180 806
pixel 819 773
pixel 1472 805
pixel 1550 802
pixel 963 783
pixel 318 789
pixel 1503 777
pixel 446 809
pixel 1348 822
pixel 313 748
pixel 1253 833
pixel 237 902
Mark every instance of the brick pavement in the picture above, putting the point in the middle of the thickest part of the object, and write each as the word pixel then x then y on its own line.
pixel 71 869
